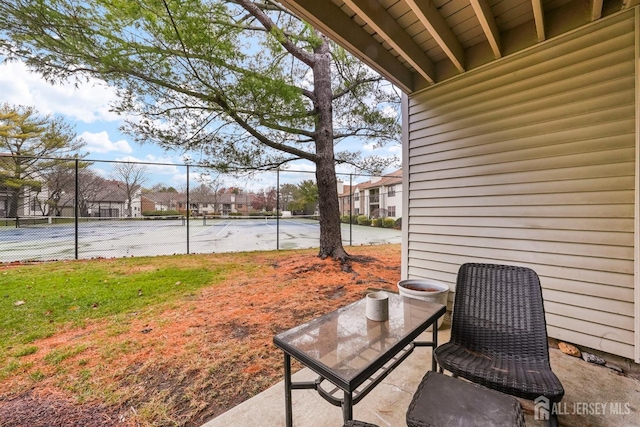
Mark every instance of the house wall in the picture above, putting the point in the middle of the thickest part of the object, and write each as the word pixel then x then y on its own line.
pixel 384 201
pixel 147 204
pixel 532 161
pixel 364 194
pixel 395 200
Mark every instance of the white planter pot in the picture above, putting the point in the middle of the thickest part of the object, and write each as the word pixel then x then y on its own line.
pixel 426 290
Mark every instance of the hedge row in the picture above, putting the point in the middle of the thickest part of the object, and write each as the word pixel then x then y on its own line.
pixel 161 213
pixel 376 222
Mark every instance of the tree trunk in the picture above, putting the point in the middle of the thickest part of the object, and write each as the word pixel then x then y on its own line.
pixel 16 196
pixel 330 232
pixel 14 202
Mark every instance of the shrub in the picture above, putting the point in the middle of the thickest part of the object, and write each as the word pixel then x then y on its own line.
pixel 398 224
pixel 388 223
pixel 364 220
pixel 377 222
pixel 348 218
pixel 161 213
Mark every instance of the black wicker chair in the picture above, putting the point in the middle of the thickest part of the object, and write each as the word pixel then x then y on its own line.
pixel 499 334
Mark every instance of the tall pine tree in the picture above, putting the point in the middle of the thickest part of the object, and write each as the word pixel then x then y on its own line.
pixel 245 82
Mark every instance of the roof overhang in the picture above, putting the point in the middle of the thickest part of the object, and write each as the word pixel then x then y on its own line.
pixel 418 43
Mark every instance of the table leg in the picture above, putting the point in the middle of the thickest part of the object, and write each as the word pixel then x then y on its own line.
pixel 287 390
pixel 434 364
pixel 347 407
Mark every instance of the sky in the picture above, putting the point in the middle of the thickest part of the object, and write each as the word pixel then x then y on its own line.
pixel 86 108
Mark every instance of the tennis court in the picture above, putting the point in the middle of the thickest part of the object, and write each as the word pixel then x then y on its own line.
pixel 44 239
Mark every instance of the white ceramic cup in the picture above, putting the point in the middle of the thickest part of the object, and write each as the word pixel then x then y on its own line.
pixel 377 306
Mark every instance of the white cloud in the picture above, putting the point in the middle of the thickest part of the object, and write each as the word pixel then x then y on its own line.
pixel 300 166
pixel 179 181
pixel 162 166
pixel 130 159
pixel 100 143
pixel 395 149
pixel 344 169
pixel 177 173
pixel 88 103
pixel 389 111
pixel 101 172
pixel 299 171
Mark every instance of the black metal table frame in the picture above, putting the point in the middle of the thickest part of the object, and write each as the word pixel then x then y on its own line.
pixel 402 350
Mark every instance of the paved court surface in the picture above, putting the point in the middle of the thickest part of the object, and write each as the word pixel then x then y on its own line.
pixel 119 238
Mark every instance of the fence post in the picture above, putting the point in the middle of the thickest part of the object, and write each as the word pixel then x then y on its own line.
pixel 76 211
pixel 278 209
pixel 188 206
pixel 350 209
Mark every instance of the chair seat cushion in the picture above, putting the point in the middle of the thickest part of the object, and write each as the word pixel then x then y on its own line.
pixel 356 423
pixel 517 376
pixel 443 401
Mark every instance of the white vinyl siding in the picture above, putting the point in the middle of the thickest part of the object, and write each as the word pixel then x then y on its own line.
pixel 531 161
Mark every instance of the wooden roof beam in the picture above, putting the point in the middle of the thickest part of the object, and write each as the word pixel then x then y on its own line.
pixel 379 19
pixel 333 22
pixel 488 23
pixel 595 9
pixel 430 17
pixel 628 4
pixel 538 17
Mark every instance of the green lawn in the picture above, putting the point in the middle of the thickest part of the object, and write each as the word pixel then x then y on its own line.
pixel 37 300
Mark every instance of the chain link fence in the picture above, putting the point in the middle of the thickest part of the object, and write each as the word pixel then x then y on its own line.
pixel 72 209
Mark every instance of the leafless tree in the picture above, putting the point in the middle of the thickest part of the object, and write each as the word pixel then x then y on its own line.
pixel 132 176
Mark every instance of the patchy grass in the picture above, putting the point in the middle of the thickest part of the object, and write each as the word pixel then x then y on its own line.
pixel 58 355
pixel 195 342
pixel 25 351
pixel 38 300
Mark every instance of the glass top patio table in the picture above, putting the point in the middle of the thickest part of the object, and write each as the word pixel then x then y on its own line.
pixel 347 349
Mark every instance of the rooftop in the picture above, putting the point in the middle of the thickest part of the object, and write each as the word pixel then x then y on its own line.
pixel 385 180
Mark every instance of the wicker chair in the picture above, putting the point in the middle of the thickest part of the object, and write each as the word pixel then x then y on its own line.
pixel 499 334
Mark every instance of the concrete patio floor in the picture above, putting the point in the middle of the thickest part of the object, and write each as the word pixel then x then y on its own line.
pixel 594 396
